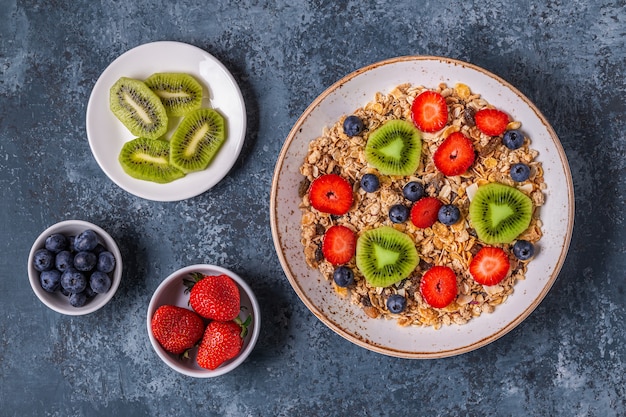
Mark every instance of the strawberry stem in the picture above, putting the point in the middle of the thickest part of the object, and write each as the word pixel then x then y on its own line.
pixel 244 325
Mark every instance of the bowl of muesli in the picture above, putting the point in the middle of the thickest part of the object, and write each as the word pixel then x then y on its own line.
pixel 422 207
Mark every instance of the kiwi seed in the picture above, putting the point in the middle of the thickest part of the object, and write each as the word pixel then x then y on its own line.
pixel 180 93
pixel 148 159
pixel 394 148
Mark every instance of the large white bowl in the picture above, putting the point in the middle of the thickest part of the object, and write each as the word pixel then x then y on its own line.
pixel 385 336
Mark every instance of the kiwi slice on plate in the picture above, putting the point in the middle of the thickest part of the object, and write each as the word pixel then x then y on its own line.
pixel 394 148
pixel 197 139
pixel 138 108
pixel 180 93
pixel 499 213
pixel 149 160
pixel 385 256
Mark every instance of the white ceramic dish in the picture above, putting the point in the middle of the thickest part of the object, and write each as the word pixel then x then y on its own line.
pixel 107 135
pixel 59 302
pixel 172 291
pixel 385 336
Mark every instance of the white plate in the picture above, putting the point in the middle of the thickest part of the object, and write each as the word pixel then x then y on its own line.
pixel 385 336
pixel 107 135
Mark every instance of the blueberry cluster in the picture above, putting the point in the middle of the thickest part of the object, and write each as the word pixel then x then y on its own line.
pixel 78 266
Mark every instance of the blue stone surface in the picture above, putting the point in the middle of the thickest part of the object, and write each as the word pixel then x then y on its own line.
pixel 567 359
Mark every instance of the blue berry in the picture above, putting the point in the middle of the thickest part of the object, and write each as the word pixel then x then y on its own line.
pixel 513 139
pixel 370 183
pixel 399 213
pixel 106 262
pixel 73 281
pixel 413 191
pixel 85 261
pixel 449 214
pixel 50 280
pixel 56 242
pixel 64 260
pixel 520 172
pixel 86 241
pixel 78 299
pixel 396 303
pixel 343 276
pixel 100 282
pixel 353 125
pixel 43 259
pixel 523 250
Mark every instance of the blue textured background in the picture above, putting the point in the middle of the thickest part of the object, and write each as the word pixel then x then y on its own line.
pixel 567 359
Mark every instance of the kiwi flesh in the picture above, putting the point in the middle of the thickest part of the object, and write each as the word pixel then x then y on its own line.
pixel 138 108
pixel 499 213
pixel 394 148
pixel 385 256
pixel 149 160
pixel 197 139
pixel 180 93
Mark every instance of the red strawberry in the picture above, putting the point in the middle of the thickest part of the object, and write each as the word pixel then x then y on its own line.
pixel 221 342
pixel 429 111
pixel 425 211
pixel 455 155
pixel 489 266
pixel 491 122
pixel 339 245
pixel 438 286
pixel 176 328
pixel 214 297
pixel 331 194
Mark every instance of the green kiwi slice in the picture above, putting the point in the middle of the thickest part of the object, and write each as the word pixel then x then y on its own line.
pixel 138 108
pixel 180 93
pixel 499 213
pixel 394 148
pixel 149 160
pixel 385 256
pixel 197 139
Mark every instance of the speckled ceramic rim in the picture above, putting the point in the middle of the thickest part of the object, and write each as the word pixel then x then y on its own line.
pixel 337 327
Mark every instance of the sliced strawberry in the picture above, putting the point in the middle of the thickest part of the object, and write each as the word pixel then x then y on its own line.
pixel 455 155
pixel 339 245
pixel 438 286
pixel 429 111
pixel 489 266
pixel 331 194
pixel 424 212
pixel 491 122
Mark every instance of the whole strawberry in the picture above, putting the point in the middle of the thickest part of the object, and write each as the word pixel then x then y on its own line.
pixel 214 297
pixel 177 329
pixel 221 342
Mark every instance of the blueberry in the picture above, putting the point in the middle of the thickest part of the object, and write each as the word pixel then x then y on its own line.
pixel 100 282
pixel 50 280
pixel 398 213
pixel 56 242
pixel 520 172
pixel 73 281
pixel 99 249
pixel 85 261
pixel 413 191
pixel 78 299
pixel 523 250
pixel 353 125
pixel 106 262
pixel 86 241
pixel 449 214
pixel 70 243
pixel 396 303
pixel 513 139
pixel 370 183
pixel 343 276
pixel 64 260
pixel 43 259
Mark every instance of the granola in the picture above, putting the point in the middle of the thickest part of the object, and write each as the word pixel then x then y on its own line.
pixel 453 246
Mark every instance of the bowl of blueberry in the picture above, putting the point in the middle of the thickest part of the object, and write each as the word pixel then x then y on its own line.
pixel 74 267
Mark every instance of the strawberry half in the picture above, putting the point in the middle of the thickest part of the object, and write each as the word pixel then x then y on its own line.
pixel 214 297
pixel 339 245
pixel 491 122
pixel 177 329
pixel 489 266
pixel 425 211
pixel 331 193
pixel 438 286
pixel 221 342
pixel 429 111
pixel 455 155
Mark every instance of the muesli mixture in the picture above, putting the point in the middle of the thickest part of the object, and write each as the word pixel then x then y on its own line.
pixel 454 246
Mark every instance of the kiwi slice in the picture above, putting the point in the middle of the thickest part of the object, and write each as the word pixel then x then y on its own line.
pixel 149 160
pixel 180 93
pixel 197 139
pixel 385 256
pixel 499 213
pixel 138 108
pixel 394 148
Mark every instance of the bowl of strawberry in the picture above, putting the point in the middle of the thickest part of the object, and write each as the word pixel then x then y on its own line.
pixel 203 321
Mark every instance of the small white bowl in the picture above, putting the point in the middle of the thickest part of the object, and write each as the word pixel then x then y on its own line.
pixel 172 291
pixel 59 302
